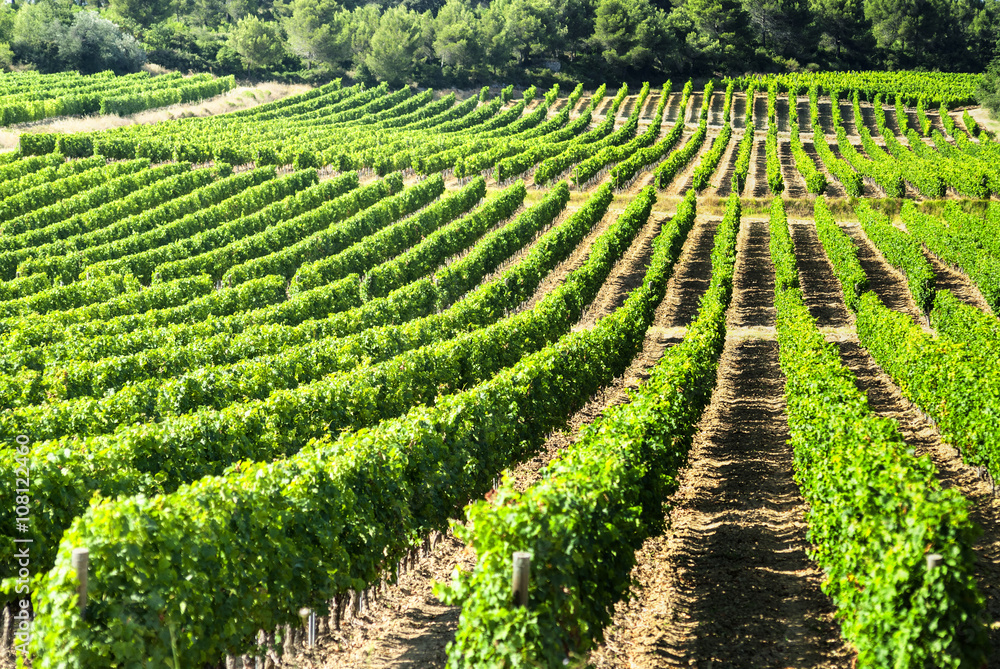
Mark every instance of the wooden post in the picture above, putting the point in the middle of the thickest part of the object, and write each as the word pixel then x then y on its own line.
pixel 80 562
pixel 309 622
pixel 934 560
pixel 522 575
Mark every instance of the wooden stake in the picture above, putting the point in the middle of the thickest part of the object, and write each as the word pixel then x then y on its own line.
pixel 81 562
pixel 522 576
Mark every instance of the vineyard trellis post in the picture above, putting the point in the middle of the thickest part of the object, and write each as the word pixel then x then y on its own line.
pixel 521 578
pixel 80 562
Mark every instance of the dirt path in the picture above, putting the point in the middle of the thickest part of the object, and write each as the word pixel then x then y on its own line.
pixel 688 282
pixel 694 108
pixel 753 285
pixel 825 108
pixel 739 111
pixel 949 278
pixel 722 180
pixel 892 123
pixel 730 583
pixel 673 108
pixel 802 109
pixel 781 114
pixel 627 273
pixel 757 185
pixel 887 281
pixel 684 180
pixel 847 118
pixel 795 185
pixel 820 288
pixel 715 109
pixel 833 186
pixel 885 399
pixel 760 112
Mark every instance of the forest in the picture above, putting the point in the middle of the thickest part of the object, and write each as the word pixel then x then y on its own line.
pixel 469 42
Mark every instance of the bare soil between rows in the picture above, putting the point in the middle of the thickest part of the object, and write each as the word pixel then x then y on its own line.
pixel 730 584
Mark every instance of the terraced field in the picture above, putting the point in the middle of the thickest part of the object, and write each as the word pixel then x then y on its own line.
pixel 721 359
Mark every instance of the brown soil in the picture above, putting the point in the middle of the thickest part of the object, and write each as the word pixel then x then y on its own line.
pixel 685 178
pixel 715 109
pixel 868 118
pixel 627 274
pixel 684 285
pixel 833 186
pixel 887 281
pixel 694 108
pixel 604 106
pixel 885 399
pixel 757 185
pixel 892 122
pixel 753 285
pixel 691 276
pixel 847 118
pixel 802 107
pixel 949 278
pixel 781 113
pixel 649 107
pixel 627 105
pixel 574 261
pixel 821 290
pixel 795 185
pixel 825 109
pixel 730 583
pixel 408 626
pixel 580 105
pixel 739 111
pixel 673 108
pixel 760 112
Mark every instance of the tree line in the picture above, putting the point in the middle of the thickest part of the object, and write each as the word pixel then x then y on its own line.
pixel 470 42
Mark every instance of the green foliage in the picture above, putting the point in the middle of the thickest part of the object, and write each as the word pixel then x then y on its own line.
pixel 901 251
pixel 843 255
pixel 594 505
pixel 988 93
pixel 257 42
pixel 957 248
pixel 875 510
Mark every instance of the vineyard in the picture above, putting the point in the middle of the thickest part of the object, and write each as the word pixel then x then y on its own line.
pixel 292 385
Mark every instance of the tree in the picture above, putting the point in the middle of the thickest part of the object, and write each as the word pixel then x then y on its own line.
pixel 457 39
pixel 842 25
pixel 257 42
pixel 141 13
pixel 318 31
pixel 517 32
pixel 391 56
pixel 632 34
pixel 716 34
pixel 6 23
pixel 94 44
pixel 914 33
pixel 988 93
pixel 39 28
